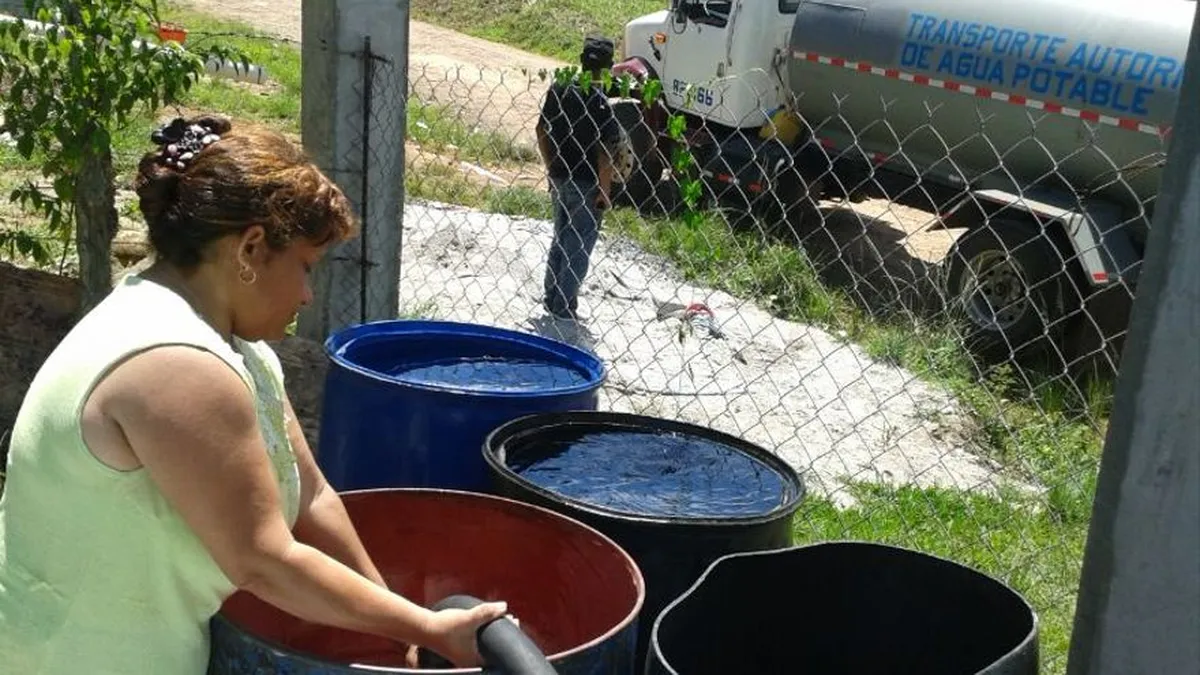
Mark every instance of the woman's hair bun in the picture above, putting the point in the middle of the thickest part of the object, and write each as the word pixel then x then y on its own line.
pixel 157 187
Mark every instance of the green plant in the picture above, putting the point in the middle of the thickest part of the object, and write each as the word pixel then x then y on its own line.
pixel 683 162
pixel 426 309
pixel 74 80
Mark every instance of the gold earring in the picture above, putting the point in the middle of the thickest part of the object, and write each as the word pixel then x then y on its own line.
pixel 249 278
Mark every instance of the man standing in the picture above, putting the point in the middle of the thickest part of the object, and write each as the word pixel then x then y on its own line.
pixel 577 137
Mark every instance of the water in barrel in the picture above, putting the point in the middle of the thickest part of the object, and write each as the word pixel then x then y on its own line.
pixel 652 473
pixel 492 374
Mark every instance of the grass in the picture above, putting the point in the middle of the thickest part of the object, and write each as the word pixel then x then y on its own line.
pixel 1029 549
pixel 1039 428
pixel 427 310
pixel 553 28
pixel 276 105
pixel 436 128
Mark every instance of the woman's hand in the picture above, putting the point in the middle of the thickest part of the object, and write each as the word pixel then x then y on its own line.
pixel 453 632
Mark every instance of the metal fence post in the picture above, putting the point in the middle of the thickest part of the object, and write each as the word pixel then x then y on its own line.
pixel 1139 596
pixel 355 55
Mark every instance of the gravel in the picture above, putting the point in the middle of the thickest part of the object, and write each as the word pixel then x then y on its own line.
pixel 816 400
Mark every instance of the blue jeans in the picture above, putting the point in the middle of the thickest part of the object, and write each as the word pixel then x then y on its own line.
pixel 576 228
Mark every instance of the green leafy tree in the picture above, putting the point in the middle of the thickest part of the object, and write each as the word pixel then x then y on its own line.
pixel 82 71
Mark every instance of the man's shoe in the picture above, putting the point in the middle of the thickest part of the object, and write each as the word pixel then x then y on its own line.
pixel 564 314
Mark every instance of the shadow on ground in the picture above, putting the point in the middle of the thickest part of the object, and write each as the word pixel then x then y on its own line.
pixel 869 260
pixel 575 333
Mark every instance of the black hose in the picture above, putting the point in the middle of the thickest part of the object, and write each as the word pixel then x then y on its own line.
pixel 503 645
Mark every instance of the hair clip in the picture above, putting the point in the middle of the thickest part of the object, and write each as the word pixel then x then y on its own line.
pixel 181 141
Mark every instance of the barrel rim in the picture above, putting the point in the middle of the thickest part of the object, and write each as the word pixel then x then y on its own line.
pixel 494 441
pixel 592 366
pixel 654 651
pixel 624 624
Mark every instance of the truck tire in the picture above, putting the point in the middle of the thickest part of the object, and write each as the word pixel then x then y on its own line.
pixel 639 189
pixel 1006 281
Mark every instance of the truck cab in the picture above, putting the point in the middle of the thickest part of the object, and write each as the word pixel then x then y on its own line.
pixel 722 66
pixel 717 59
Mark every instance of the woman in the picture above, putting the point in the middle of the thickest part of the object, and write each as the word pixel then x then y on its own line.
pixel 156 464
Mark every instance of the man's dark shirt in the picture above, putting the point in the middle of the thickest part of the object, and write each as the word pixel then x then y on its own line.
pixel 576 129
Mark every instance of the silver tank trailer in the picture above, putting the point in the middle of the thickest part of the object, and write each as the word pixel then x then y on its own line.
pixel 1119 58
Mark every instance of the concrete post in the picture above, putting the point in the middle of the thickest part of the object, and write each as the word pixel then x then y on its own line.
pixel 353 126
pixel 1139 596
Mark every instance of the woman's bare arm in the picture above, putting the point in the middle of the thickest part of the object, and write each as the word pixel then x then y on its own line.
pixel 323 522
pixel 191 422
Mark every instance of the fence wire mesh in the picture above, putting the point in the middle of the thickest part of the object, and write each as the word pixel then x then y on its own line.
pixel 366 171
pixel 834 323
pixel 945 388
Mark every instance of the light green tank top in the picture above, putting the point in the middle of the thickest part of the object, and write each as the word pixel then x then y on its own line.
pixel 98 573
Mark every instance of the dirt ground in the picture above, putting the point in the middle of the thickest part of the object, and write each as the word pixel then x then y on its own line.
pixel 38 308
pixel 492 83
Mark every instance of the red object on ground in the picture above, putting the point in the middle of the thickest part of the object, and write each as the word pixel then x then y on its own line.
pixel 172 32
pixel 567 584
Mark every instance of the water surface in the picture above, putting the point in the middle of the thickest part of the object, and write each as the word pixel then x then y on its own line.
pixel 490 374
pixel 650 473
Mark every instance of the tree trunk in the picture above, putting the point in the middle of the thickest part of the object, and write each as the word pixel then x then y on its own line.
pixel 96 219
pixel 95 225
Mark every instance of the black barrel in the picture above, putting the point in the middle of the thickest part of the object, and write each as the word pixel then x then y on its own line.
pixel 675 496
pixel 842 608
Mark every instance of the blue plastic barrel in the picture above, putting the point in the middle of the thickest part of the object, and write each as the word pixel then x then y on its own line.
pixel 408 403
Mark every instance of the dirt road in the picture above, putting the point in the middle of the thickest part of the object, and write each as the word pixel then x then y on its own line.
pixel 491 85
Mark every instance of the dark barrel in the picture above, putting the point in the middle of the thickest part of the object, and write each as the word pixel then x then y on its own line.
pixel 576 594
pixel 676 496
pixel 842 608
pixel 408 403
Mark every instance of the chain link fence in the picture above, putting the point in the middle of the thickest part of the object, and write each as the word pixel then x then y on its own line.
pixel 852 290
pixel 884 294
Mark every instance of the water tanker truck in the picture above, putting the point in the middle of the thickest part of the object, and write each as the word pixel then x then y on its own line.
pixel 1044 123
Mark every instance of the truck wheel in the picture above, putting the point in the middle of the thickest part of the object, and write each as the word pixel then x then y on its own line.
pixel 639 189
pixel 1006 281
